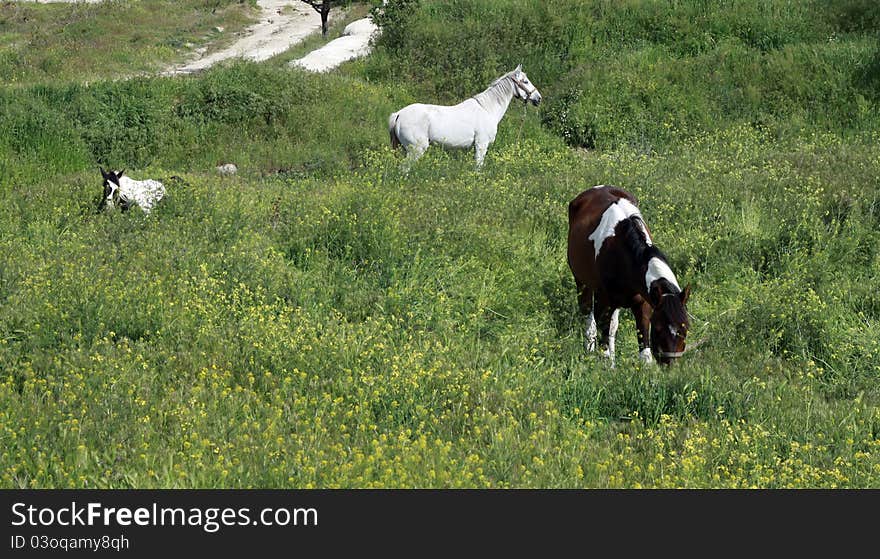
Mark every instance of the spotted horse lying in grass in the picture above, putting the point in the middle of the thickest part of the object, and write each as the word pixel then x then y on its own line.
pixel 123 191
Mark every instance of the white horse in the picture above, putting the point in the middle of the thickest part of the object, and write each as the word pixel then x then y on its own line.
pixel 127 192
pixel 471 123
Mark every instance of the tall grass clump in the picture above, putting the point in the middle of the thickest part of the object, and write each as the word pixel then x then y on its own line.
pixel 197 124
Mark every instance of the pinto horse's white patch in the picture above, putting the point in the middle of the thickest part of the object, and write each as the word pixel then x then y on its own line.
pixel 657 269
pixel 616 212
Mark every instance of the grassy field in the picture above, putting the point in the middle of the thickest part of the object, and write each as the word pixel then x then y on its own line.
pixel 111 40
pixel 321 319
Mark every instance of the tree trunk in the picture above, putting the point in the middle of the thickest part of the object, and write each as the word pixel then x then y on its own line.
pixel 323 8
pixel 325 15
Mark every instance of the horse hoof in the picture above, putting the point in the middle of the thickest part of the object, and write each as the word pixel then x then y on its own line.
pixel 608 357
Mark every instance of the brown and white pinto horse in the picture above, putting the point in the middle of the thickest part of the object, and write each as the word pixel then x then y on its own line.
pixel 615 264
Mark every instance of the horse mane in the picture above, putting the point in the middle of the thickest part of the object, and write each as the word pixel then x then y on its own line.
pixel 674 312
pixel 631 232
pixel 502 77
pixel 497 92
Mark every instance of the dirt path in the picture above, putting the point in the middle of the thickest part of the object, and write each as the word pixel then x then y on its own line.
pixel 282 24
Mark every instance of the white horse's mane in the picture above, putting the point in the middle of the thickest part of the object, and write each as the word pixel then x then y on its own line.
pixel 498 93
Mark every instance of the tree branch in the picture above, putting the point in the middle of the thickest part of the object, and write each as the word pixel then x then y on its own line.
pixel 315 4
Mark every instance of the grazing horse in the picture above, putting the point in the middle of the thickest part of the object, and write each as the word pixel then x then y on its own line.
pixel 126 192
pixel 615 264
pixel 471 123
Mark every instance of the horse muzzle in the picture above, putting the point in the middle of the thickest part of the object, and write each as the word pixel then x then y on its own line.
pixel 535 99
pixel 667 357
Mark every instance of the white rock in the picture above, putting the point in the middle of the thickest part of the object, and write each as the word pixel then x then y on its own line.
pixel 354 43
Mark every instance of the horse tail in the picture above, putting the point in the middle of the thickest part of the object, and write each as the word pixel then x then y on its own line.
pixel 573 208
pixel 392 125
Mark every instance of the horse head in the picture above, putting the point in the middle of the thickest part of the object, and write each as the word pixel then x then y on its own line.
pixel 669 323
pixel 111 188
pixel 524 89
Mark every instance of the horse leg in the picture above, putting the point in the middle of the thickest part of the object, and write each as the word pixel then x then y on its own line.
pixel 608 320
pixel 585 303
pixel 413 153
pixel 642 314
pixel 612 333
pixel 480 153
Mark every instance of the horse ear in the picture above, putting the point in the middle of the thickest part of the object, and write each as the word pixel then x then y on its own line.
pixel 685 294
pixel 120 173
pixel 103 172
pixel 519 67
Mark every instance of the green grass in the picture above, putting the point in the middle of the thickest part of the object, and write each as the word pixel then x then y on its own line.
pixel 323 320
pixel 84 42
